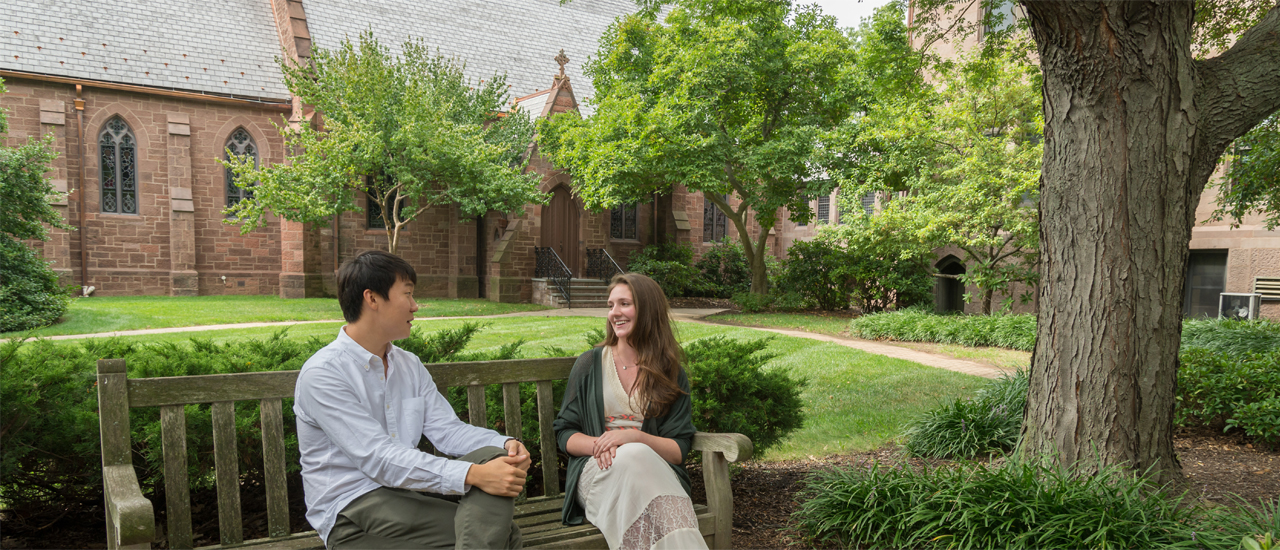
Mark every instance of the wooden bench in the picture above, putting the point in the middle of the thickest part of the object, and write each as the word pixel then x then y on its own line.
pixel 131 518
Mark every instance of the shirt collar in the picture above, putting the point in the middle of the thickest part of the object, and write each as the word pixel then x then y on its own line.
pixel 349 345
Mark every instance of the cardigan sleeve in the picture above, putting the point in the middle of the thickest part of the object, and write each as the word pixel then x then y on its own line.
pixel 678 423
pixel 569 420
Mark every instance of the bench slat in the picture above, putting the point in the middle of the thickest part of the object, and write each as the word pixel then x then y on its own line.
pixel 253 386
pixel 475 406
pixel 173 431
pixel 269 411
pixel 501 372
pixel 226 460
pixel 511 409
pixel 547 436
pixel 180 390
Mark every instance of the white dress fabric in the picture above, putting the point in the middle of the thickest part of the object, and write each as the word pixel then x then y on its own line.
pixel 637 503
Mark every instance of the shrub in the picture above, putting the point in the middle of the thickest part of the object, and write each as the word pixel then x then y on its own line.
pixel 918 325
pixel 814 270
pixel 881 267
pixel 30 295
pixel 732 392
pixel 724 270
pixel 671 266
pixel 1226 391
pixel 753 303
pixel 49 441
pixel 965 428
pixel 1016 505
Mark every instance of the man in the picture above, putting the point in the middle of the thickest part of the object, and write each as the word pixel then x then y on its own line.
pixel 362 406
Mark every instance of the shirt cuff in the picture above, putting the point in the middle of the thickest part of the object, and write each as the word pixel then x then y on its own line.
pixel 455 477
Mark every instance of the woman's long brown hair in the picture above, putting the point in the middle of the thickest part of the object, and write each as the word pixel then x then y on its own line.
pixel 657 353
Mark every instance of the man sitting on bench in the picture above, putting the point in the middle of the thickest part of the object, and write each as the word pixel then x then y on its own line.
pixel 362 406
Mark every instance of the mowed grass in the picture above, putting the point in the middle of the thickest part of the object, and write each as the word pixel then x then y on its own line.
pixel 855 401
pixel 834 325
pixel 115 313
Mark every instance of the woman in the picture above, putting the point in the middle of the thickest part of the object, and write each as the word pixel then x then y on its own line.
pixel 627 425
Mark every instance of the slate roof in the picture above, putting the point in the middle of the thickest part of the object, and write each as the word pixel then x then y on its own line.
pixel 518 37
pixel 226 47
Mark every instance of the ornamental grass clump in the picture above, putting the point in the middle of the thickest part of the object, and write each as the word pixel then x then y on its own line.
pixel 989 423
pixel 1014 505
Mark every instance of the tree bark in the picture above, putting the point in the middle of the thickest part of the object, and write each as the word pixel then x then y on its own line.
pixel 1134 127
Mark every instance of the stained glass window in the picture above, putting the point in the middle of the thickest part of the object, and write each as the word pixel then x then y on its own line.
pixel 239 145
pixel 624 221
pixel 715 225
pixel 118 164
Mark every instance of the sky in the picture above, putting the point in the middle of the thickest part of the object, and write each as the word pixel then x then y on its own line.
pixel 849 12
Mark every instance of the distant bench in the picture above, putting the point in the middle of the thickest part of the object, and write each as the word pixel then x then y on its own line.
pixel 131 517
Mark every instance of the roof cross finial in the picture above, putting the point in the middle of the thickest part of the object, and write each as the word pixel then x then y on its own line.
pixel 562 59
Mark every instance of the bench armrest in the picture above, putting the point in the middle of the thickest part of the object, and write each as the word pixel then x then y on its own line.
pixel 735 447
pixel 130 515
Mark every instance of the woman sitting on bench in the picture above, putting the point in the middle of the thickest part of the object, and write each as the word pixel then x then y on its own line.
pixel 626 423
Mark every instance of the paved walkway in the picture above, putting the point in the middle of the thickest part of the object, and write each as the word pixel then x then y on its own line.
pixel 682 314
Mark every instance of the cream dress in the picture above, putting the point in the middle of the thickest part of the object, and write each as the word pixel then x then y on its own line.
pixel 637 503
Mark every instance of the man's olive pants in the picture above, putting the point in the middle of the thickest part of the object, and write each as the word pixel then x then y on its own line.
pixel 400 518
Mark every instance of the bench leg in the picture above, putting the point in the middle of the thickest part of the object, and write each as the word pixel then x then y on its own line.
pixel 715 475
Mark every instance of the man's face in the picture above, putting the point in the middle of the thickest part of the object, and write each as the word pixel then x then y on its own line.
pixel 395 313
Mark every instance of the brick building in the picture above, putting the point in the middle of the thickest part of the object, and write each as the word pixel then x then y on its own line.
pixel 144 100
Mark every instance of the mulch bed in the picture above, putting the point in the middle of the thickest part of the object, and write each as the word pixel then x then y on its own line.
pixel 1216 465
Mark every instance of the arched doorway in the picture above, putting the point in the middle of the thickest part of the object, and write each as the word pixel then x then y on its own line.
pixel 948 292
pixel 560 226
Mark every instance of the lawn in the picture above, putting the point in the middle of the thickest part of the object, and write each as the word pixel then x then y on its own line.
pixel 838 325
pixel 114 313
pixel 834 325
pixel 855 401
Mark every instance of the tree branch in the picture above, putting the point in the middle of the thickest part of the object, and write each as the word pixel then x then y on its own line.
pixel 1237 90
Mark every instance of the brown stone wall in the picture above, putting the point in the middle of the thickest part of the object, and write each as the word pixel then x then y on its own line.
pixel 135 254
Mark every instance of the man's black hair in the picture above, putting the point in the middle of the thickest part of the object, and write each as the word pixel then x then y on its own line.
pixel 373 270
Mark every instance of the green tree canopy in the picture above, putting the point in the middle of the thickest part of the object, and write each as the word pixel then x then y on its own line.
pixel 1252 184
pixel 965 147
pixel 410 130
pixel 723 97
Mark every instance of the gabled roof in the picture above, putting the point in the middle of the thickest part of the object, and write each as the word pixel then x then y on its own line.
pixel 518 37
pixel 225 47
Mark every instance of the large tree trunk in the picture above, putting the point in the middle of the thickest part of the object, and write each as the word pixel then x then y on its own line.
pixel 1133 129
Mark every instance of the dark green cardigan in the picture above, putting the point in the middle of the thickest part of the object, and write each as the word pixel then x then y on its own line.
pixel 583 412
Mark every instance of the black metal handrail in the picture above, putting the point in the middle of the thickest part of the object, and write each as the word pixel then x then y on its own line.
pixel 549 265
pixel 601 264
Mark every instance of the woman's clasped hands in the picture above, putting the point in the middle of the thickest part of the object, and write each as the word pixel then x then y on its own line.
pixel 605 447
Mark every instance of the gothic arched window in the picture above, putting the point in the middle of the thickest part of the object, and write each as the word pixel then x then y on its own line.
pixel 240 145
pixel 118 159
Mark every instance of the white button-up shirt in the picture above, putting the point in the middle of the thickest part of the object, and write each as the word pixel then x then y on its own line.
pixel 358 429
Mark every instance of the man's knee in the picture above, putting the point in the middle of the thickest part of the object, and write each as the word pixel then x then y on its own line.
pixel 483 455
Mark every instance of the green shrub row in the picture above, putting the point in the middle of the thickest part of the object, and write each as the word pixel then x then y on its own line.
pixel 49 452
pixel 1224 391
pixel 1014 505
pixel 919 325
pixel 49 445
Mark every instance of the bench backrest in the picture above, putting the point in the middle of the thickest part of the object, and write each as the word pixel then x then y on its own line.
pixel 117 394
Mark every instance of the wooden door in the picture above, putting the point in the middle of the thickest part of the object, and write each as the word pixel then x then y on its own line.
pixel 560 226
